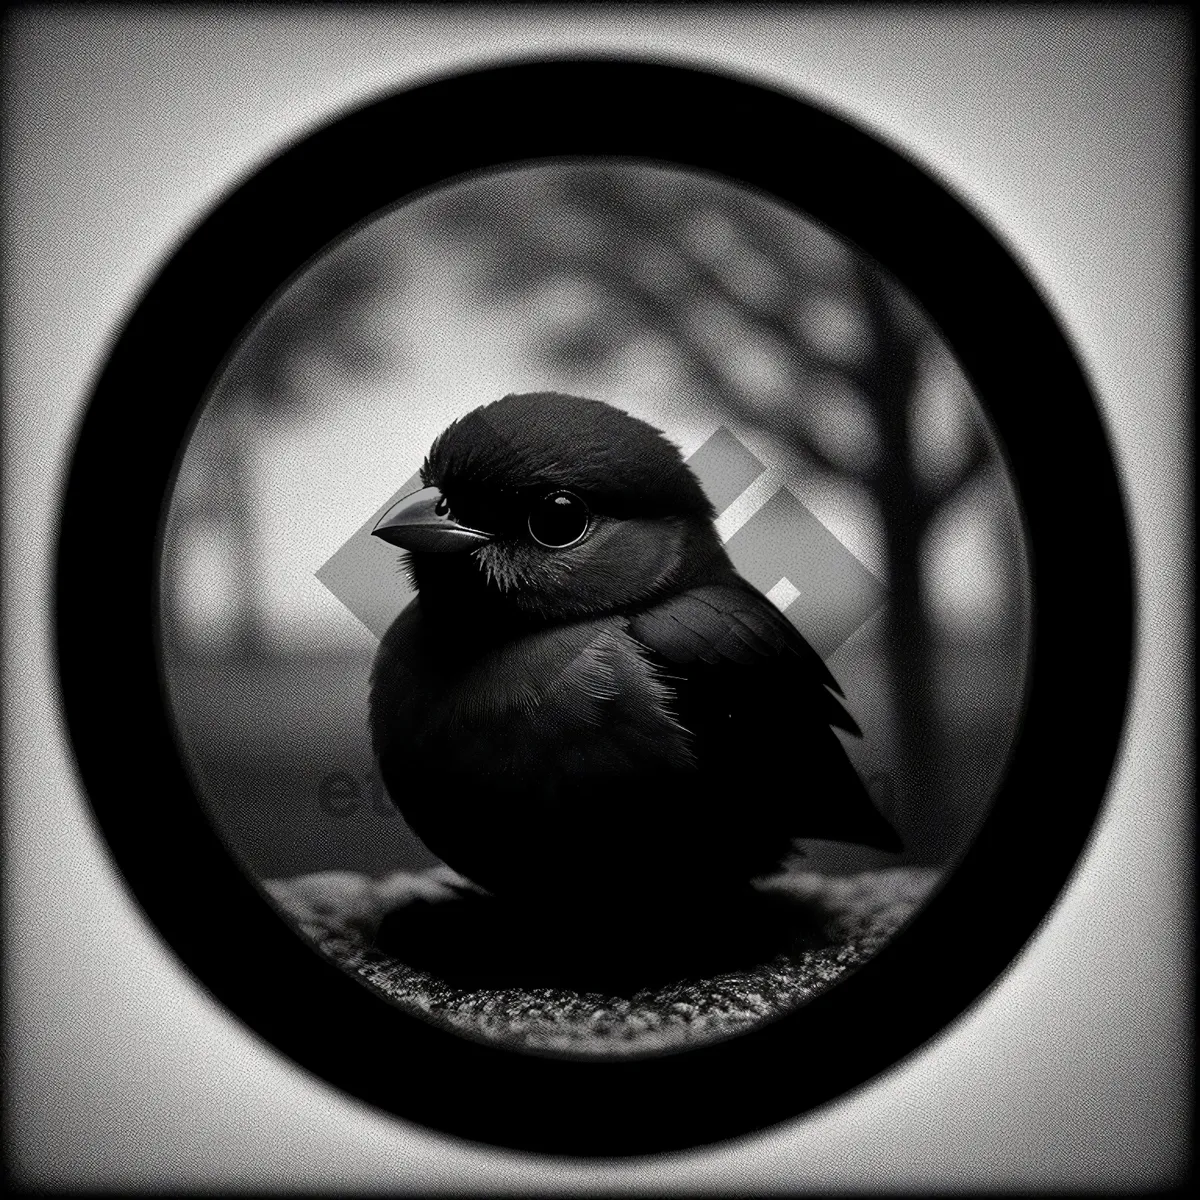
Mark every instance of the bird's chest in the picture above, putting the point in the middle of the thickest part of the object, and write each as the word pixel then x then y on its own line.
pixel 577 700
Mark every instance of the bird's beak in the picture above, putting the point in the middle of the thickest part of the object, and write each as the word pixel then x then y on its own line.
pixel 422 521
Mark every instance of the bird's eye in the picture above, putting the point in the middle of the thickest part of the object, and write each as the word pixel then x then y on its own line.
pixel 558 520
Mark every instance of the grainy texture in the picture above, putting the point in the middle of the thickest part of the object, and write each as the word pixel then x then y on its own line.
pixel 817 927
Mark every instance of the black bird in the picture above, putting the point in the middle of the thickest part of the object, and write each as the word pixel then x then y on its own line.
pixel 585 702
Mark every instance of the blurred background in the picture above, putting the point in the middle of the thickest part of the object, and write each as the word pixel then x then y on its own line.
pixel 857 481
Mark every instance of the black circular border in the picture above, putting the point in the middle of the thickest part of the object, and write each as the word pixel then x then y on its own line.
pixel 1032 389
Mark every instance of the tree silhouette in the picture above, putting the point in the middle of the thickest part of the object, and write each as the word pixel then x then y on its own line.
pixel 320 322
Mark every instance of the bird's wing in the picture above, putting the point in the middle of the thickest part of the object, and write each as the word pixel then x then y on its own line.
pixel 726 623
pixel 760 704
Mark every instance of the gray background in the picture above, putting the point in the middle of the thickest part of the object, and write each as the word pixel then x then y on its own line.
pixel 1064 131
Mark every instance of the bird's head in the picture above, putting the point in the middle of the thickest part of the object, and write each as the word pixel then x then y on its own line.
pixel 549 507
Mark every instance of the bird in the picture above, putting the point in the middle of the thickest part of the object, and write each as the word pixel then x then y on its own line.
pixel 584 702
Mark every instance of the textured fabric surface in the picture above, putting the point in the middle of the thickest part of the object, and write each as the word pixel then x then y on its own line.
pixel 441 950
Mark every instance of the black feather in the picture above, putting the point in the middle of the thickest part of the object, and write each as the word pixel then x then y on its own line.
pixel 755 696
pixel 733 621
pixel 545 440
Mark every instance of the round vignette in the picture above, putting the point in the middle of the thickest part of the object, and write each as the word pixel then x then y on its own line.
pixel 343 794
pixel 176 341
